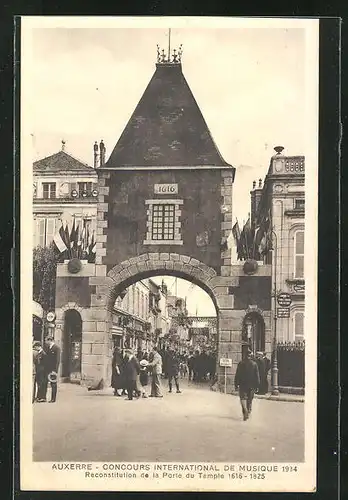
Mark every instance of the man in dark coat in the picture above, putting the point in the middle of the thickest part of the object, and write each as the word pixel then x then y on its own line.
pixel 117 365
pixel 131 371
pixel 267 369
pixel 247 380
pixel 261 365
pixel 52 360
pixel 39 374
pixel 190 363
pixel 173 369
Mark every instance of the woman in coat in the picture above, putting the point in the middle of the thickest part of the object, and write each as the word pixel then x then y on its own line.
pixel 117 378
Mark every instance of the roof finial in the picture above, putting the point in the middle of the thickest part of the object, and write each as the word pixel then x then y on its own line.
pixel 180 52
pixel 63 145
pixel 169 58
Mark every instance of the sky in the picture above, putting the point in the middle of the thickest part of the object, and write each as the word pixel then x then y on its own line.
pixel 198 302
pixel 84 84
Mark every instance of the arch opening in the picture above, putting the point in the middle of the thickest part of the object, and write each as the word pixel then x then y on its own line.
pixel 172 313
pixel 253 333
pixel 72 345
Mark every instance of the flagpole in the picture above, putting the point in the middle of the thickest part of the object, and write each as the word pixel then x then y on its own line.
pixel 275 388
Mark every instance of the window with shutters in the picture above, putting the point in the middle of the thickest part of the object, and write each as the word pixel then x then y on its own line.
pixel 45 231
pixel 48 190
pixel 298 323
pixel 163 222
pixel 299 254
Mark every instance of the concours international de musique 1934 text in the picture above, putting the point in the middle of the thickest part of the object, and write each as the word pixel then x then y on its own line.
pixel 177 471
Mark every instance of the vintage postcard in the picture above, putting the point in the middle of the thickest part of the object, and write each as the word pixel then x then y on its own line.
pixel 169 200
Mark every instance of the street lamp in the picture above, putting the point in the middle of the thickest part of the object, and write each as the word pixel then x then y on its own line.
pixel 275 389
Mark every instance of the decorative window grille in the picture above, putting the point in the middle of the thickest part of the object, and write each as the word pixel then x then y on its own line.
pixel 163 222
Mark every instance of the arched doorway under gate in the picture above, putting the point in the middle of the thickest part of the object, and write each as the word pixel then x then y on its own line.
pixel 72 343
pixel 253 333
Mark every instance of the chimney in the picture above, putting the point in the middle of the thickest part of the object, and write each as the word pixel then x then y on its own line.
pixel 255 196
pixel 95 148
pixel 102 152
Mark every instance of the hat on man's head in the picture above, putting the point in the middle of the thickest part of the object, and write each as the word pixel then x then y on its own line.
pixel 49 337
pixel 36 343
pixel 144 362
pixel 259 353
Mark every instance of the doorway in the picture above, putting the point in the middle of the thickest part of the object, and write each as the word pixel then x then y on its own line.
pixel 253 333
pixel 72 346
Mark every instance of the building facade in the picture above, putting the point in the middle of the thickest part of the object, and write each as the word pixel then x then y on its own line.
pixel 140 316
pixel 281 200
pixel 64 189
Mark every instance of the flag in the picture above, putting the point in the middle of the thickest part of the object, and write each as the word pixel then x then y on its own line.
pixel 236 236
pixel 93 249
pixel 67 238
pixel 94 245
pixel 73 237
pixel 236 233
pixel 77 237
pixel 230 240
pixel 59 240
pixel 263 240
pixel 91 243
pixel 245 241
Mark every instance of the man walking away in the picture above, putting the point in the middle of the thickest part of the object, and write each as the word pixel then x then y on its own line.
pixel 156 366
pixel 131 371
pixel 52 360
pixel 173 370
pixel 247 380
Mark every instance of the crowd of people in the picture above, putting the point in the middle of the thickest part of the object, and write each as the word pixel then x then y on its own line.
pixel 141 374
pixel 46 359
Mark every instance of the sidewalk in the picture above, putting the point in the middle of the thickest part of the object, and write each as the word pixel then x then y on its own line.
pixel 295 398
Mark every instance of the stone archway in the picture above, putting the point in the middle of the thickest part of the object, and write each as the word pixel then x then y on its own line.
pixel 150 264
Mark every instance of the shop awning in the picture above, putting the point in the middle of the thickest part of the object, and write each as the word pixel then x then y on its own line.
pixel 37 310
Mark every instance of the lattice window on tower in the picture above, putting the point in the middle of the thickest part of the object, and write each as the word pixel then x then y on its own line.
pixel 163 222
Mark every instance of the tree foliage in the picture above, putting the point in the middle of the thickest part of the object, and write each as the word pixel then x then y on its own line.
pixel 44 276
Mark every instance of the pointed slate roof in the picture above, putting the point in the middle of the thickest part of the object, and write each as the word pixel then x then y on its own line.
pixel 59 162
pixel 167 127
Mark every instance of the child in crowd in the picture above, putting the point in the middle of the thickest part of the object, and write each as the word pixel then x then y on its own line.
pixel 144 377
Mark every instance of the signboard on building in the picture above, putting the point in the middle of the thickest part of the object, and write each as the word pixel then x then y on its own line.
pixel 283 312
pixel 225 362
pixel 284 299
pixel 166 189
pixel 299 288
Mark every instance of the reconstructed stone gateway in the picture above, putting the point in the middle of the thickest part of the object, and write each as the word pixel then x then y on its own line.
pixel 165 171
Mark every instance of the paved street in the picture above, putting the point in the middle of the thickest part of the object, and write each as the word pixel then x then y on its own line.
pixel 197 425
